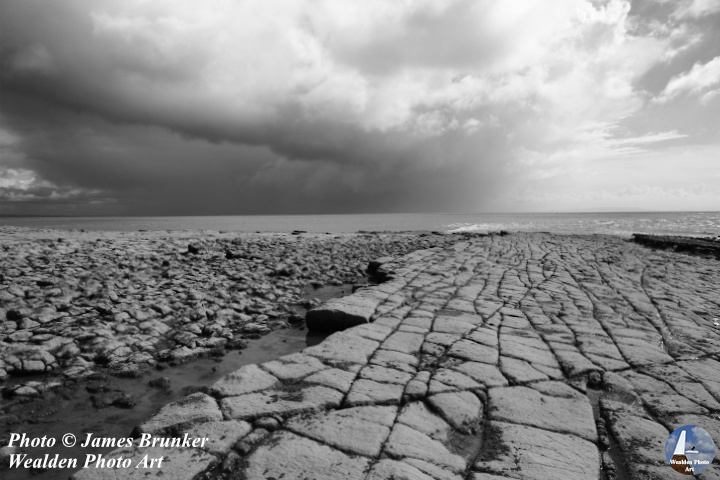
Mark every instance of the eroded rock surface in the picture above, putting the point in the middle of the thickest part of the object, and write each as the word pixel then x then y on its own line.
pixel 521 356
pixel 75 303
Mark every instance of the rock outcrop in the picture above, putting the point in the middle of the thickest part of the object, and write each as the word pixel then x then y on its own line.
pixel 520 356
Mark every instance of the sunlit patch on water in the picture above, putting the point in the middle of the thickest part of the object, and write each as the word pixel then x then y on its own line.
pixel 704 224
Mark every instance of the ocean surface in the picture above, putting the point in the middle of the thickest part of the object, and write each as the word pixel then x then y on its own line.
pixel 623 224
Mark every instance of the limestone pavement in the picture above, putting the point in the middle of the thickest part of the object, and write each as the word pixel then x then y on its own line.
pixel 527 356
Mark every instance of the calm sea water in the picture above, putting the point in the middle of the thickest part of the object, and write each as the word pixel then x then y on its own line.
pixel 624 224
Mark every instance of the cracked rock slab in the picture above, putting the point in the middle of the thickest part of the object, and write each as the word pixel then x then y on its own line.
pixel 221 435
pixel 178 463
pixel 367 392
pixel 287 455
pixel 530 453
pixel 342 313
pixel 407 442
pixel 361 430
pixel 342 348
pixel 480 364
pixel 386 469
pixel 193 409
pixel 249 378
pixel 527 406
pixel 279 402
pixel 463 410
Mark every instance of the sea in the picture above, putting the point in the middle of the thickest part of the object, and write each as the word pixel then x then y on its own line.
pixel 622 224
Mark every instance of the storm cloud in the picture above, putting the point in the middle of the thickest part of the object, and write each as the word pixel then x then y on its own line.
pixel 229 107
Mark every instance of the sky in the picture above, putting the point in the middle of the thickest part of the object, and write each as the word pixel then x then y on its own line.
pixel 224 107
pixel 694 437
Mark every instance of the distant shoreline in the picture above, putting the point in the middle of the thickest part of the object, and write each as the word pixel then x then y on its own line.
pixel 618 224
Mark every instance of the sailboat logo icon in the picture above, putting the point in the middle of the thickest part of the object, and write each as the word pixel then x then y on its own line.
pixel 680 447
pixel 689 450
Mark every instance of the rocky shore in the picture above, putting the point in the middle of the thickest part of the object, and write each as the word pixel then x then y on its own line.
pixel 75 303
pixel 528 356
pixel 525 356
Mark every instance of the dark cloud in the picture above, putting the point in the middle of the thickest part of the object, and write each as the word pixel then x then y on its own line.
pixel 96 112
pixel 152 170
pixel 179 107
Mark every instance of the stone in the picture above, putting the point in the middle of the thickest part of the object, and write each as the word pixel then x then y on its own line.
pixel 385 375
pixel 435 471
pixel 193 409
pixel 294 367
pixel 370 427
pixel 20 336
pixel 520 371
pixel 706 372
pixel 535 454
pixel 372 331
pixel 530 349
pixel 707 422
pixel 395 360
pixel 574 363
pixel 417 416
pixel 407 442
pixel 374 265
pixel 5 454
pixel 249 378
pixel 268 423
pixel 25 391
pixel 454 379
pixel 404 342
pixel 364 392
pixel 393 469
pixel 279 402
pixel 232 462
pixel 342 348
pixel 221 435
pixel 485 476
pixel 474 352
pixel 527 406
pixel 178 464
pixel 462 410
pixel 340 380
pixel 640 352
pixel 247 444
pixel 415 389
pixel 341 313
pixel 184 354
pixel 287 455
pixel 459 325
pixel 162 383
pixel 488 375
pixel 557 389
pixel 33 366
pixel 254 327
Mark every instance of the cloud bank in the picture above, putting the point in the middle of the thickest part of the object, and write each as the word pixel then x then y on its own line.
pixel 163 107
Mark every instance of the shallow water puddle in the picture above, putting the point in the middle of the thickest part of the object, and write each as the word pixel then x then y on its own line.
pixel 71 410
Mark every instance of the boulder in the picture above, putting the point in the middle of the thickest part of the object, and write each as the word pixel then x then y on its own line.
pixel 341 313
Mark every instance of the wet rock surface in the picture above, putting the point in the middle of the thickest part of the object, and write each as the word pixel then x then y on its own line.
pixel 697 246
pixel 526 356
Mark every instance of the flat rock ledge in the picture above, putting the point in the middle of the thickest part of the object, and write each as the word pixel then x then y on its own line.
pixel 525 356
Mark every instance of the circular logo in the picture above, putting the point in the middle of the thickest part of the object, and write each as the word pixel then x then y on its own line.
pixel 689 450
